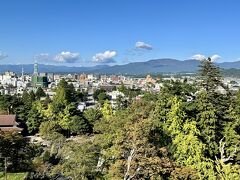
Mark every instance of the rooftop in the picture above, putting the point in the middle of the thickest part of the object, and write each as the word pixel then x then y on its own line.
pixel 8 120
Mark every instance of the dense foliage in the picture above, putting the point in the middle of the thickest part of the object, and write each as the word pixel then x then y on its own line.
pixel 187 131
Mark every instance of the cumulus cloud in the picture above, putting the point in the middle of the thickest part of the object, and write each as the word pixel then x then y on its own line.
pixel 105 57
pixel 143 45
pixel 62 57
pixel 215 57
pixel 66 57
pixel 3 56
pixel 201 57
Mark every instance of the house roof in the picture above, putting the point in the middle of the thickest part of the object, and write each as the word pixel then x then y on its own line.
pixel 8 120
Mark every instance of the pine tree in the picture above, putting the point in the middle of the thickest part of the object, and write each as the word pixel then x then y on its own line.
pixel 175 118
pixel 231 130
pixel 207 123
pixel 210 76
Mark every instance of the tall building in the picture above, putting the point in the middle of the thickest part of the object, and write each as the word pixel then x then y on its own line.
pixel 35 71
pixel 39 80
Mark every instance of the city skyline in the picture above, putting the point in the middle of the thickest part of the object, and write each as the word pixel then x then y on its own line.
pixel 92 32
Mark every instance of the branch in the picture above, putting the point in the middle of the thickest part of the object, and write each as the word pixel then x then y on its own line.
pixel 222 152
pixel 100 163
pixel 126 177
pixel 221 148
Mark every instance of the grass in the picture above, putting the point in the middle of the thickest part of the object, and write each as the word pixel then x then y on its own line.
pixel 13 176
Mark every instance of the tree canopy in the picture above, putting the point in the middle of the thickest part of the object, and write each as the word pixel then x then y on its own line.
pixel 186 131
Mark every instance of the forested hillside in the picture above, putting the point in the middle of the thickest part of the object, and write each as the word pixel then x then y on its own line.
pixel 187 131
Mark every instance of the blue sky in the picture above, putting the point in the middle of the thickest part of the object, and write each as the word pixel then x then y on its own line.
pixel 89 32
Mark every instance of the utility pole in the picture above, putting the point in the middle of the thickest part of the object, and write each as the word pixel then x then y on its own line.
pixel 5 168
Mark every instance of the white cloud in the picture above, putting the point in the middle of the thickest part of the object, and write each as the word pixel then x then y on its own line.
pixel 3 56
pixel 66 57
pixel 215 57
pixel 105 57
pixel 199 57
pixel 143 45
pixel 63 57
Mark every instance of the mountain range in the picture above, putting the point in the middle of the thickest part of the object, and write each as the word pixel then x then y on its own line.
pixel 135 68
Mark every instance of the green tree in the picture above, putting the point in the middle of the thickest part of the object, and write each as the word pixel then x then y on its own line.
pixel 92 115
pixel 18 151
pixel 81 96
pixel 6 104
pixel 80 160
pixel 97 92
pixel 73 121
pixel 127 148
pixel 122 89
pixel 107 110
pixel 207 123
pixel 210 76
pixel 178 88
pixel 128 92
pixel 48 128
pixel 65 94
pixel 231 131
pixel 175 118
pixel 40 93
pixel 189 151
pixel 34 118
pixel 102 97
pixel 32 96
pixel 27 100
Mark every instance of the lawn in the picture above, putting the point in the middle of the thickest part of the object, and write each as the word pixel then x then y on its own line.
pixel 13 176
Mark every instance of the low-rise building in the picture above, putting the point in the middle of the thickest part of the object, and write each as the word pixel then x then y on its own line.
pixel 9 123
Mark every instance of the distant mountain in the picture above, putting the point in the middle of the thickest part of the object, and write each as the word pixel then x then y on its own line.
pixel 134 68
pixel 162 66
pixel 152 66
pixel 230 65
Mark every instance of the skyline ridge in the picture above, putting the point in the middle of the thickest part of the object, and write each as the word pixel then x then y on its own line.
pixel 133 68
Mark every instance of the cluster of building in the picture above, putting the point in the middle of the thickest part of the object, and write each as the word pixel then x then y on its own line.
pixel 11 83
